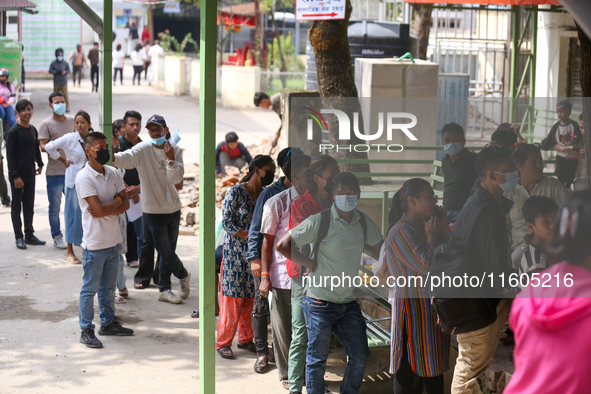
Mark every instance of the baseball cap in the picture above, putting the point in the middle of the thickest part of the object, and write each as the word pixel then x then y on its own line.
pixel 156 119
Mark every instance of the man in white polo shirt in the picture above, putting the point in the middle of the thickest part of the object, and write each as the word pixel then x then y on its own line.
pixel 102 197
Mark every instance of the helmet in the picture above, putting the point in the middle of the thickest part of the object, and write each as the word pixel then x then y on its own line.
pixel 4 72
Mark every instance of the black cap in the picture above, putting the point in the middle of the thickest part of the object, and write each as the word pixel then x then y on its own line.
pixel 156 119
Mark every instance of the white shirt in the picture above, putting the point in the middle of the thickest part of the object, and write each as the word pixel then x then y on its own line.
pixel 99 233
pixel 276 213
pixel 157 176
pixel 137 58
pixel 72 145
pixel 155 50
pixel 118 57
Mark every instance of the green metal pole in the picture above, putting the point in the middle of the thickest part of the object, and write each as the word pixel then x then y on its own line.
pixel 106 110
pixel 532 70
pixel 207 124
pixel 514 63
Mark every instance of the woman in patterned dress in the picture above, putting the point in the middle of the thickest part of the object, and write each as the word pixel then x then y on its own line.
pixel 419 346
pixel 237 285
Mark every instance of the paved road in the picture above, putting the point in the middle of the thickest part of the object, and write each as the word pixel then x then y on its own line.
pixel 39 332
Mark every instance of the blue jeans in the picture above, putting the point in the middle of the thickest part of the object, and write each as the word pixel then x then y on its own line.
pixel 55 188
pixel 348 325
pixel 100 275
pixel 73 217
pixel 8 114
pixel 121 273
pixel 163 231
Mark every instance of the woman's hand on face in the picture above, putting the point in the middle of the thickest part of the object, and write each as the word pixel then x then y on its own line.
pixel 432 228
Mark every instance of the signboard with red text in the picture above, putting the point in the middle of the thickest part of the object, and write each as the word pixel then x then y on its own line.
pixel 320 10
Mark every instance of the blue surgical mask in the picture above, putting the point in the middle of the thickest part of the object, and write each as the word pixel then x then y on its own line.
pixel 512 178
pixel 59 109
pixel 453 148
pixel 60 58
pixel 346 203
pixel 158 141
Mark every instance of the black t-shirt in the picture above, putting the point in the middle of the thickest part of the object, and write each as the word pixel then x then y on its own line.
pixel 459 178
pixel 22 151
pixel 133 33
pixel 131 177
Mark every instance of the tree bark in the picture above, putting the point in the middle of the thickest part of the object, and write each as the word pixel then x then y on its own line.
pixel 586 88
pixel 276 30
pixel 336 81
pixel 422 28
pixel 257 34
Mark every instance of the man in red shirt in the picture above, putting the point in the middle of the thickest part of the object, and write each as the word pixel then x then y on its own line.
pixel 230 153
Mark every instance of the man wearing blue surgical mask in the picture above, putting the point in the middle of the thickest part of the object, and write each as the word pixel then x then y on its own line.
pixel 482 227
pixel 60 69
pixel 458 168
pixel 52 128
pixel 160 168
pixel 329 303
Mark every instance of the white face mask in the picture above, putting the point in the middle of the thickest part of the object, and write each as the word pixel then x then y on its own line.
pixel 346 203
pixel 453 148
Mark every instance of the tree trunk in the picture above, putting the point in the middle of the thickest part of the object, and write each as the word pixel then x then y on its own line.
pixel 422 28
pixel 336 81
pixel 586 88
pixel 276 30
pixel 257 34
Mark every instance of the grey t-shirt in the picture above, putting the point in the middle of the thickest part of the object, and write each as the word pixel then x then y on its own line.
pixel 51 129
pixel 276 104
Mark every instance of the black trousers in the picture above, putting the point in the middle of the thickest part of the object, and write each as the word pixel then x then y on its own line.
pixel 120 71
pixel 146 271
pixel 94 75
pixel 407 382
pixel 260 314
pixel 24 199
pixel 566 170
pixel 132 252
pixel 137 71
pixel 77 70
pixel 146 70
pixel 3 187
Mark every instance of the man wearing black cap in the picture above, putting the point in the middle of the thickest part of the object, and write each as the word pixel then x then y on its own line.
pixel 60 69
pixel 160 168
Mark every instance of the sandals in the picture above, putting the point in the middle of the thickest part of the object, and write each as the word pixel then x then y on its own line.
pixel 226 352
pixel 285 384
pixel 73 260
pixel 248 346
pixel 139 286
pixel 124 293
pixel 119 300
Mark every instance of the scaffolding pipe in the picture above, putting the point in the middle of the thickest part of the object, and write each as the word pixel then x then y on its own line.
pixel 88 15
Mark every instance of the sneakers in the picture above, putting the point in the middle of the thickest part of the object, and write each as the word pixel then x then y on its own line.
pixel 134 264
pixel 89 339
pixel 59 243
pixel 33 240
pixel 185 290
pixel 115 328
pixel 169 296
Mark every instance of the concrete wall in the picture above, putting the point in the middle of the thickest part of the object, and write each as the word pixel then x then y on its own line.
pixel 239 84
pixel 174 79
pixel 195 78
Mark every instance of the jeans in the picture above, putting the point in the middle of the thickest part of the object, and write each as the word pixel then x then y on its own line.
pixel 137 72
pixel 55 188
pixel 146 271
pixel 8 114
pixel 146 69
pixel 163 231
pixel 120 71
pixel 100 275
pixel 25 198
pixel 348 325
pixel 94 76
pixel 121 273
pixel 260 314
pixel 73 217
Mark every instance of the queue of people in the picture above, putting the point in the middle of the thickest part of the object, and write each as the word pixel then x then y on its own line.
pixel 499 202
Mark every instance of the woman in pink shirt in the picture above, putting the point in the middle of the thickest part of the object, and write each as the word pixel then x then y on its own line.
pixel 6 100
pixel 551 324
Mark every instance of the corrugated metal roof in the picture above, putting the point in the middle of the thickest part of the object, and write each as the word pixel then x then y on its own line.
pixel 16 4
